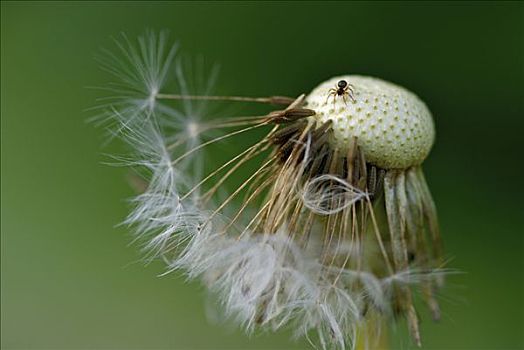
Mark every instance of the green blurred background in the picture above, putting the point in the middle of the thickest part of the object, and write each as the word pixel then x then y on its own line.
pixel 69 278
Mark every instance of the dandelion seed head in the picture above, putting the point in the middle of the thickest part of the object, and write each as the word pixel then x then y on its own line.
pixel 320 235
pixel 393 126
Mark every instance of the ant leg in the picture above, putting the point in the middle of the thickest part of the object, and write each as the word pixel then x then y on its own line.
pixel 327 98
pixel 351 93
pixel 331 92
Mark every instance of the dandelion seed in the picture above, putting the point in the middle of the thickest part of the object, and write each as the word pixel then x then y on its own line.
pixel 333 232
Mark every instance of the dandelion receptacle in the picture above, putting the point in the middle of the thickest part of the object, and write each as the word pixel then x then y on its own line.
pixel 333 231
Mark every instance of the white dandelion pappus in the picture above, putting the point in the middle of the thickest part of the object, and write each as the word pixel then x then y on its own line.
pixel 156 133
pixel 141 71
pixel 320 191
pixel 334 228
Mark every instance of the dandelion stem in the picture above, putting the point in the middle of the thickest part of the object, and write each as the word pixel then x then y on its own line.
pixel 281 100
pixel 372 334
pixel 234 194
pixel 248 150
pixel 174 162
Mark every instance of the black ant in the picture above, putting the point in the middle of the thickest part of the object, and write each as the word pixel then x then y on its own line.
pixel 342 89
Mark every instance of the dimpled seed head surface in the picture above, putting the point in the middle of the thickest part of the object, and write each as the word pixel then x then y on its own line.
pixel 393 126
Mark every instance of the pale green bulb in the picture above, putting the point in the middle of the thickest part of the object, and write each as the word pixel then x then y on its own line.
pixel 394 128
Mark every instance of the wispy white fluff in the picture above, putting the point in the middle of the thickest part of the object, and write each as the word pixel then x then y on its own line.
pixel 261 279
pixel 141 70
pixel 415 275
pixel 144 69
pixel 328 194
pixel 158 214
pixel 158 133
pixel 267 280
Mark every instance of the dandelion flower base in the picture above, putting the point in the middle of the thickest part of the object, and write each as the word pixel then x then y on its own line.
pixel 393 126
